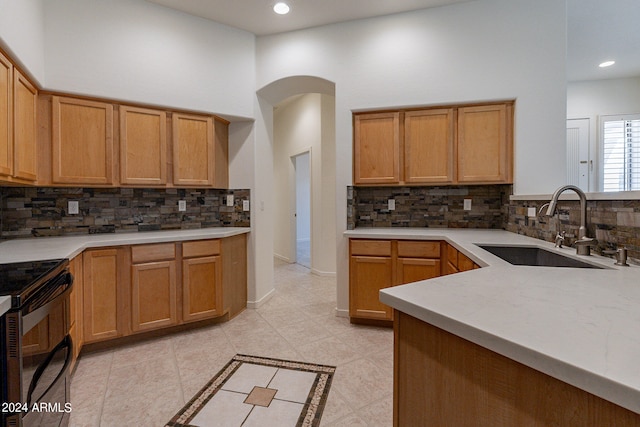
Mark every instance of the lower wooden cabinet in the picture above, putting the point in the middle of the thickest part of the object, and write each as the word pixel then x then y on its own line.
pixel 457 261
pixel 75 307
pixel 153 286
pixel 379 264
pixel 103 294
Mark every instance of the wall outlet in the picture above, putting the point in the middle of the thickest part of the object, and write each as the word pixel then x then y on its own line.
pixel 392 205
pixel 467 204
pixel 531 212
pixel 230 200
pixel 182 205
pixel 245 206
pixel 73 208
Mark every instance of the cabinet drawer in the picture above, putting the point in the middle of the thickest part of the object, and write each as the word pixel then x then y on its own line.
pixel 371 247
pixel 418 249
pixel 200 248
pixel 145 253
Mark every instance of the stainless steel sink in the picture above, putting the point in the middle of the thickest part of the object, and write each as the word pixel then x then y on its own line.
pixel 534 256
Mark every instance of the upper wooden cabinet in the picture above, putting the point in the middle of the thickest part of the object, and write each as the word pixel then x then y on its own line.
pixel 18 101
pixel 6 116
pixel 457 144
pixel 429 146
pixel 143 146
pixel 377 148
pixel 484 148
pixel 193 150
pixel 82 141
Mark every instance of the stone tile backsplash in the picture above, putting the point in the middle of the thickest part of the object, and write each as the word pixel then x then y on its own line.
pixel 615 223
pixel 35 212
pixel 439 207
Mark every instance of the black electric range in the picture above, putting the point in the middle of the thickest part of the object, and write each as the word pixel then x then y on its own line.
pixel 22 280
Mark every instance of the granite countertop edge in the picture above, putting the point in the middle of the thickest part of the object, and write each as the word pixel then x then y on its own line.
pixel 577 325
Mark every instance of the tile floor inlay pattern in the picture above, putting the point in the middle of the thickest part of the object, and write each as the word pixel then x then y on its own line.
pixel 273 391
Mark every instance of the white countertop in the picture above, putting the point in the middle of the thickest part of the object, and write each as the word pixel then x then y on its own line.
pixel 581 326
pixel 42 248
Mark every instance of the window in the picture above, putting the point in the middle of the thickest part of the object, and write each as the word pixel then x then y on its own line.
pixel 621 153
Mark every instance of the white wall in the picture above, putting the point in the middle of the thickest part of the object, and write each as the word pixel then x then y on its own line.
pixel 300 125
pixel 481 50
pixel 138 51
pixel 22 35
pixel 595 98
pixel 303 196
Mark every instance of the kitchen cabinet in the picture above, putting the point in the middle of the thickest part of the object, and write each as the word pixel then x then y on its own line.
pixel 376 148
pixel 429 146
pixel 457 261
pixel 193 150
pixel 104 294
pixel 379 264
pixel 201 280
pixel 153 287
pixel 82 142
pixel 417 260
pixel 432 365
pixel 18 102
pixel 143 146
pixel 439 145
pixel 484 146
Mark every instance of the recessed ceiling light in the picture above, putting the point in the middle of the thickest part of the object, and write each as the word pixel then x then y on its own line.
pixel 281 8
pixel 606 64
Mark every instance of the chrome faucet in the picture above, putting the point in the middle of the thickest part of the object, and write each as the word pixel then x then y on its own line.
pixel 584 243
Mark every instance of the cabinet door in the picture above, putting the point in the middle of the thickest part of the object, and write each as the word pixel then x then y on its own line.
pixel 429 146
pixel 82 141
pixel 100 300
pixel 367 275
pixel 201 288
pixel 24 128
pixel 6 116
pixel 143 146
pixel 484 146
pixel 153 295
pixel 193 150
pixel 376 156
pixel 414 269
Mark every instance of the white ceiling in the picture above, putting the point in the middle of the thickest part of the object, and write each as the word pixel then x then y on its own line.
pixel 597 29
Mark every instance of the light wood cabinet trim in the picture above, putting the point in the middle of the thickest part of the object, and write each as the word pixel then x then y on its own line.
pixel 371 247
pixel 452 255
pixel 419 249
pixel 221 170
pixel 143 146
pixel 482 144
pixel 409 270
pixel 153 302
pixel 193 150
pixel 200 248
pixel 429 146
pixel 377 148
pixel 206 289
pixel 153 252
pixel 6 116
pixel 93 149
pixel 464 262
pixel 234 273
pixel 369 274
pixel 25 104
pixel 441 379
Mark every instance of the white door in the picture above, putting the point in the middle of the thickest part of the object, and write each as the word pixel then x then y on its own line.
pixel 579 165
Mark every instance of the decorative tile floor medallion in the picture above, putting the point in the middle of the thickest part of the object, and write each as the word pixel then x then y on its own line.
pixel 259 391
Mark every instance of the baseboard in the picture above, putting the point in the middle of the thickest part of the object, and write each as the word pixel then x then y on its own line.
pixel 257 304
pixel 342 313
pixel 283 258
pixel 323 273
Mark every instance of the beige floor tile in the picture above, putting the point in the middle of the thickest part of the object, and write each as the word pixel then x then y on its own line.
pixel 328 351
pixel 378 413
pixel 248 376
pixel 225 409
pixel 293 386
pixel 361 382
pixel 279 413
pixel 348 421
pixel 336 408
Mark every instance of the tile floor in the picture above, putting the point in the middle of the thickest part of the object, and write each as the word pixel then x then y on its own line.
pixel 145 384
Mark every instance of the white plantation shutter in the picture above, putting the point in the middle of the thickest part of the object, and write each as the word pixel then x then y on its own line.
pixel 621 153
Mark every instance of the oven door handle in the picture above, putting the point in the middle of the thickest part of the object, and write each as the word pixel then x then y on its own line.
pixel 66 342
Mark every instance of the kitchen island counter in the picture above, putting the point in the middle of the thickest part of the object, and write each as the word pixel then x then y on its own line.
pixel 580 326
